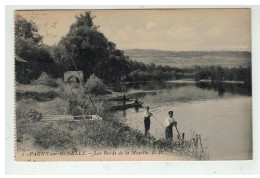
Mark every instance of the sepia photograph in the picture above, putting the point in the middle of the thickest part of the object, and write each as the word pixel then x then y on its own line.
pixel 133 85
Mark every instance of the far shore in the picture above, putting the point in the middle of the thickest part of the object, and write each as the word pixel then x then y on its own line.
pixel 190 81
pixel 224 81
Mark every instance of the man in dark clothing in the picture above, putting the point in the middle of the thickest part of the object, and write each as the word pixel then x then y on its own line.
pixel 124 99
pixel 169 123
pixel 136 102
pixel 136 105
pixel 147 116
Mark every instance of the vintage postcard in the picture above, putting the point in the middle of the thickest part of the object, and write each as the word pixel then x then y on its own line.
pixel 133 85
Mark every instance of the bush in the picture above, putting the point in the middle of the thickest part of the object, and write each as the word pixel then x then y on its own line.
pixel 94 85
pixel 23 108
pixel 46 80
pixel 53 135
pixel 34 116
pixel 59 82
pixel 24 119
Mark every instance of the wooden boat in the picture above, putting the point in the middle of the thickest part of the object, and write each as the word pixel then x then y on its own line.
pixel 87 117
pixel 130 105
pixel 57 118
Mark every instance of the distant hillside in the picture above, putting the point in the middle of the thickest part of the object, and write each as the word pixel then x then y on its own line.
pixel 183 59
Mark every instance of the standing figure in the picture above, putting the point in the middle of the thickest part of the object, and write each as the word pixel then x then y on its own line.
pixel 136 102
pixel 124 100
pixel 169 123
pixel 136 105
pixel 147 116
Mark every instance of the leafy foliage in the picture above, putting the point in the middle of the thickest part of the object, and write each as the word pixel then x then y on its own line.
pixel 45 79
pixel 34 116
pixel 28 45
pixel 94 85
pixel 91 51
pixel 218 73
pixel 26 30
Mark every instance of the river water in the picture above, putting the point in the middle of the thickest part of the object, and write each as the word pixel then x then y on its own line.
pixel 221 113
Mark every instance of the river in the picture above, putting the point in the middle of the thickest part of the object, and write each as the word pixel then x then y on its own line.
pixel 221 113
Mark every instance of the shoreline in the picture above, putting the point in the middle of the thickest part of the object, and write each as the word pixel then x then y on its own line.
pixel 189 81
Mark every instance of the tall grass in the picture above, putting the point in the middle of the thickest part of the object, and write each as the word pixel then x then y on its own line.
pixel 53 136
pixel 108 134
pixel 57 106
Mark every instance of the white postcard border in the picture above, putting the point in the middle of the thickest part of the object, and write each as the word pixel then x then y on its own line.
pixel 117 167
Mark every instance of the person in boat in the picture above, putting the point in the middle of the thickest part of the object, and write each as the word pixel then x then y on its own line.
pixel 124 99
pixel 169 123
pixel 136 105
pixel 136 102
pixel 147 116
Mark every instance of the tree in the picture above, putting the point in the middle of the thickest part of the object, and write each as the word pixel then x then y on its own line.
pixel 87 49
pixel 28 45
pixel 26 30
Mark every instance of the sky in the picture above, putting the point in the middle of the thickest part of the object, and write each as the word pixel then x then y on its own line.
pixel 176 30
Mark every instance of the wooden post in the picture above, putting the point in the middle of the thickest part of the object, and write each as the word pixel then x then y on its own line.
pixel 194 141
pixel 183 136
pixel 201 144
pixel 197 140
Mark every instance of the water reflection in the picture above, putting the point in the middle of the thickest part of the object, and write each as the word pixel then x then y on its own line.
pixel 233 88
pixel 144 89
pixel 124 113
pixel 136 109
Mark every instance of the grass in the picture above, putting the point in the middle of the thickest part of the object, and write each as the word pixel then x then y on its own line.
pixel 100 135
pixel 48 96
pixel 57 106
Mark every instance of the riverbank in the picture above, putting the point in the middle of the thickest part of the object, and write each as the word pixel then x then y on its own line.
pixel 71 136
pixel 60 137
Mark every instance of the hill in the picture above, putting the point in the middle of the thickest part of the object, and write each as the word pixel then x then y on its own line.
pixel 183 59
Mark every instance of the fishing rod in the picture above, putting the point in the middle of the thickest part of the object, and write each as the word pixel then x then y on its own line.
pixel 83 86
pixel 158 121
pixel 82 82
